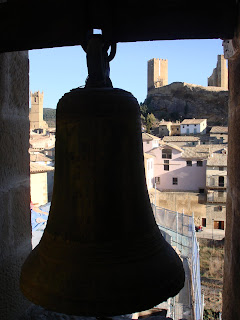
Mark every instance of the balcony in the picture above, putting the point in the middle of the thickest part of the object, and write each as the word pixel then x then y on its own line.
pixel 216 182
pixel 217 197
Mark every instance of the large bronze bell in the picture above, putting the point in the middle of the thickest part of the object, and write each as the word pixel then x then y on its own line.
pixel 101 253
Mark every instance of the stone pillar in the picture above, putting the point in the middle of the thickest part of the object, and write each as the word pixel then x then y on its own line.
pixel 15 226
pixel 231 287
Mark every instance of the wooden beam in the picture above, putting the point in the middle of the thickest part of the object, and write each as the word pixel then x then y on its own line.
pixel 29 24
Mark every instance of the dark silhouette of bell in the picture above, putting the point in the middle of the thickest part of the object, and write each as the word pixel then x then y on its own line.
pixel 101 253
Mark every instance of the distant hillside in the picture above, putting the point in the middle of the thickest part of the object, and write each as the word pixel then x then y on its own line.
pixel 180 100
pixel 49 115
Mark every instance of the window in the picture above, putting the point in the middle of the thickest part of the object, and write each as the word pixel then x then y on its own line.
pixel 166 153
pixel 175 181
pixel 220 194
pixel 221 169
pixel 166 161
pixel 157 180
pixel 204 222
pixel 212 182
pixel 166 167
pixel 218 208
pixel 189 163
pixel 221 181
pixel 199 163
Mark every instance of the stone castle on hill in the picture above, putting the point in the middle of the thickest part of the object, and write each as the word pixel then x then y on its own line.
pixel 36 113
pixel 158 74
pixel 219 77
pixel 180 100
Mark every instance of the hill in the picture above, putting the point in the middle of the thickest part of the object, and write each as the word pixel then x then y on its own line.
pixel 49 115
pixel 180 100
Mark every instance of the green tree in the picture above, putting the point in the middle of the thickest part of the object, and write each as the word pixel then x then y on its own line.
pixel 144 110
pixel 149 121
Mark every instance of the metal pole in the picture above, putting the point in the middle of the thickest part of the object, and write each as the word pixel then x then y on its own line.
pixel 177 232
pixel 202 311
pixel 155 200
pixel 212 231
pixel 183 234
pixel 193 225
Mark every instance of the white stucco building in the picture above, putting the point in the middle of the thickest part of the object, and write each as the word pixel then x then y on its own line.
pixel 178 169
pixel 149 170
pixel 193 126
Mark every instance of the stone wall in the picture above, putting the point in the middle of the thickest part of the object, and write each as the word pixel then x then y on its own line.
pixel 15 227
pixel 216 212
pixel 189 202
pixel 231 288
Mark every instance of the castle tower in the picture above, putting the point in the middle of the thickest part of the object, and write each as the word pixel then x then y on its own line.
pixel 219 77
pixel 157 73
pixel 36 114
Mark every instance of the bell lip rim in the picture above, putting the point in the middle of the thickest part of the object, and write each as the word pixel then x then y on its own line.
pixel 67 309
pixel 174 283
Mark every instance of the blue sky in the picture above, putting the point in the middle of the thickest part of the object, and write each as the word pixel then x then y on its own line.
pixel 58 70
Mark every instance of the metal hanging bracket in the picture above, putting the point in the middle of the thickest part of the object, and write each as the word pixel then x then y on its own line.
pixel 98 61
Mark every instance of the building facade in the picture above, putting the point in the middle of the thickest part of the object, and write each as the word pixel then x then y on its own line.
pixel 149 170
pixel 219 134
pixel 175 129
pixel 41 183
pixel 36 113
pixel 149 141
pixel 193 126
pixel 174 169
pixel 168 128
pixel 216 184
pixel 164 128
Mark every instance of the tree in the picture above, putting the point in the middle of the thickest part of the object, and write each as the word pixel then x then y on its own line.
pixel 143 110
pixel 149 121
